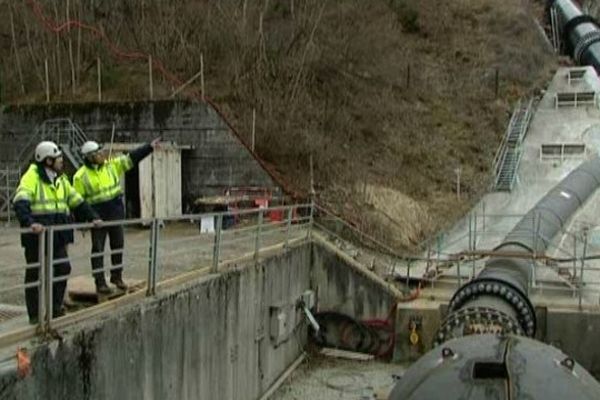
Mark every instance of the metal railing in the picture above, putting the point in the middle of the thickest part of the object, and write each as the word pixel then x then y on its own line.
pixel 167 250
pixel 9 180
pixel 573 258
pixel 174 249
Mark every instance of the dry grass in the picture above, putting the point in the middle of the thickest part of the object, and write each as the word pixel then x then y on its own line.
pixel 329 78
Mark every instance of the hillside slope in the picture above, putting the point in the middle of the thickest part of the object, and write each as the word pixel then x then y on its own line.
pixel 389 97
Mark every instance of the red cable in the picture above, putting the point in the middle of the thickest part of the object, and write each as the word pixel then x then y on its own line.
pixel 122 55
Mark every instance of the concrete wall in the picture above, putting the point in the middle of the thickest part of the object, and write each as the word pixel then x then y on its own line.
pixel 576 333
pixel 210 339
pixel 345 287
pixel 217 161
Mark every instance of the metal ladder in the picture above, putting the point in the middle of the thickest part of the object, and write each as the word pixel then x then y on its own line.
pixel 510 154
pixel 555 31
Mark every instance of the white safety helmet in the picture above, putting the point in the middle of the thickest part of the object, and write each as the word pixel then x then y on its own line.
pixel 90 147
pixel 46 149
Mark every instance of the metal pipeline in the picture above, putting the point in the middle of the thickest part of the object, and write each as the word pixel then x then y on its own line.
pixel 497 300
pixel 580 33
pixel 480 347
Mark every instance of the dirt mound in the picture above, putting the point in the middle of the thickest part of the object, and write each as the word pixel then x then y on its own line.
pixel 395 216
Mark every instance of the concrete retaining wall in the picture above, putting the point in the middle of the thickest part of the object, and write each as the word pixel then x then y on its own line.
pixel 344 287
pixel 218 160
pixel 210 339
pixel 575 332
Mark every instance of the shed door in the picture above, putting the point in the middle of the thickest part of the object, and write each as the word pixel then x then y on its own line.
pixel 161 171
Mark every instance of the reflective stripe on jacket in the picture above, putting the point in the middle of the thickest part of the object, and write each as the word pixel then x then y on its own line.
pixel 38 200
pixel 46 197
pixel 99 184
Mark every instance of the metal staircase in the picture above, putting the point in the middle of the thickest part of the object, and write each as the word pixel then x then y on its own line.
pixel 509 155
pixel 63 131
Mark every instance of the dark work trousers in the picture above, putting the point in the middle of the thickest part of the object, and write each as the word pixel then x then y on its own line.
pixel 115 235
pixel 32 275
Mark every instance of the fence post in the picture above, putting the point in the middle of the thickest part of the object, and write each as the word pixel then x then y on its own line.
pixel 8 213
pixel 258 233
pixel 150 78
pixel 483 216
pixel 311 218
pixel 288 226
pixel 152 259
pixel 583 255
pixel 458 272
pixel 99 76
pixel 439 242
pixel 41 284
pixel 49 276
pixel 537 222
pixel 574 256
pixel 158 223
pixel 471 250
pixel 475 232
pixel 217 245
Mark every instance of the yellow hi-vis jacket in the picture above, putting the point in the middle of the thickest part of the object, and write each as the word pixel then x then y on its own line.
pixel 102 183
pixel 38 200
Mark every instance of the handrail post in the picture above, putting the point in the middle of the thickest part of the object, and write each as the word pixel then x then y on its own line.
pixel 458 273
pixel 288 226
pixel 258 233
pixel 157 223
pixel 574 256
pixel 151 285
pixel 583 255
pixel 41 284
pixel 49 277
pixel 217 245
pixel 471 249
pixel 311 218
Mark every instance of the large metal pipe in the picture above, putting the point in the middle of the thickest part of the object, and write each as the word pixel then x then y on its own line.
pixel 481 350
pixel 580 33
pixel 487 316
pixel 497 300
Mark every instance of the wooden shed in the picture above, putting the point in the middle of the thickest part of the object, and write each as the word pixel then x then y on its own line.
pixel 153 188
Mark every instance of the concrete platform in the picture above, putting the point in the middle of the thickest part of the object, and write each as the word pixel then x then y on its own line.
pixel 83 289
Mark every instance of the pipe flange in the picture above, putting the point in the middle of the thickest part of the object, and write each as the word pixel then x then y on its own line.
pixel 582 45
pixel 477 321
pixel 502 290
pixel 572 24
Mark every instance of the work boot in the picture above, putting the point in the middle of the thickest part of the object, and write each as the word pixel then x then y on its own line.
pixel 118 282
pixel 59 313
pixel 102 287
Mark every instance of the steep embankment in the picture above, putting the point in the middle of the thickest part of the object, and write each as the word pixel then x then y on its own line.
pixel 388 96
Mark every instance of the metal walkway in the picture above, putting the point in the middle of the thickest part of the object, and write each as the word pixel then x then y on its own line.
pixel 509 155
